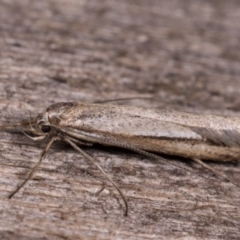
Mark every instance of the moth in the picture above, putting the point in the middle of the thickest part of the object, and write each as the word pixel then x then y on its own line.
pixel 145 131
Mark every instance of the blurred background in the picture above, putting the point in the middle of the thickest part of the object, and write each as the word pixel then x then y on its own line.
pixel 185 54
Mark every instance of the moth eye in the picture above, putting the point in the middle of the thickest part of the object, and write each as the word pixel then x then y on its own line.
pixel 46 128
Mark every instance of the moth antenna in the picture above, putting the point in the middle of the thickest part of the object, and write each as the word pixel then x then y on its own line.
pixel 11 126
pixel 154 156
pixel 43 154
pixel 91 159
pixel 6 126
pixel 214 171
pixel 122 99
pixel 151 155
pixel 80 141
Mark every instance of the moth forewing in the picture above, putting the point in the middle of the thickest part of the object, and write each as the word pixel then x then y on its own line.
pixel 208 137
pixel 200 137
pixel 131 128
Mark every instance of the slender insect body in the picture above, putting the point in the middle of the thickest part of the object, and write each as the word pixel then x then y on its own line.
pixel 195 136
pixel 208 137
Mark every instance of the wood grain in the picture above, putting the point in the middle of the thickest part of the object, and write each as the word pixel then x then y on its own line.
pixel 182 54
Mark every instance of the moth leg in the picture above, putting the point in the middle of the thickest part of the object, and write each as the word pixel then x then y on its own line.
pixel 214 171
pixel 34 168
pixel 39 138
pixel 91 159
pixel 34 131
pixel 99 192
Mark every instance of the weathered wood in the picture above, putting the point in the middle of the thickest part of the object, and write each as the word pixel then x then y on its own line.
pixel 184 54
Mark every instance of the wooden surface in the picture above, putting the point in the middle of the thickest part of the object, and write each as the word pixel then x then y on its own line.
pixel 185 55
